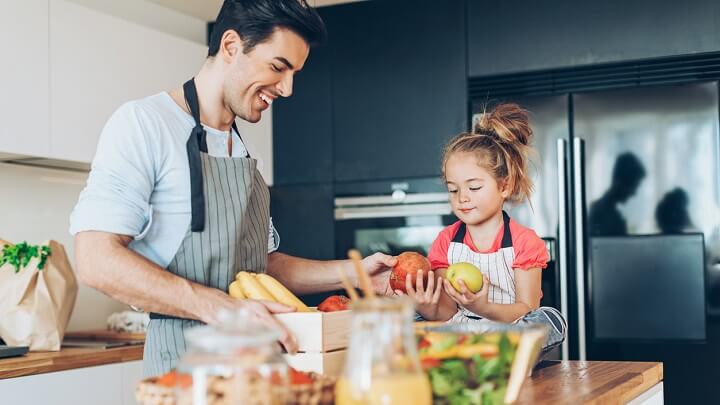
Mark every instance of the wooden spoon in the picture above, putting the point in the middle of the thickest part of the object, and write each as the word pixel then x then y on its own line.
pixel 363 278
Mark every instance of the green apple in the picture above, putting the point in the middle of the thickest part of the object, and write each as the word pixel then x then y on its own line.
pixel 470 275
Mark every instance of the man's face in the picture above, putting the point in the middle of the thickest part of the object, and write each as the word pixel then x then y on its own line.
pixel 257 78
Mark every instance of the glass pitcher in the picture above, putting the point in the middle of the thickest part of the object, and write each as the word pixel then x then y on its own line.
pixel 382 364
pixel 237 361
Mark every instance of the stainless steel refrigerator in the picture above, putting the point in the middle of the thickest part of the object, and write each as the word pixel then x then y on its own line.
pixel 626 186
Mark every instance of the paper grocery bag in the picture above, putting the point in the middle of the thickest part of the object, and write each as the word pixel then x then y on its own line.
pixel 35 304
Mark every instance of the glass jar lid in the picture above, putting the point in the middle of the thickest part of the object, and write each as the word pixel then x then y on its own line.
pixel 234 330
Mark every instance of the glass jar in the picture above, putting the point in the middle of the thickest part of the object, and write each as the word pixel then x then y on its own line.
pixel 237 361
pixel 382 365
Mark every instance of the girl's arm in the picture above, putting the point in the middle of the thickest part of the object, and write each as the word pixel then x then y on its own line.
pixel 527 297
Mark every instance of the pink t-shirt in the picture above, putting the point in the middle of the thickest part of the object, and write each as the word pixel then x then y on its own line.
pixel 530 250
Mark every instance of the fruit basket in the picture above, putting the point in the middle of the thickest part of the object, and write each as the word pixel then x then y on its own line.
pixel 311 389
pixel 305 389
pixel 479 362
pixel 160 390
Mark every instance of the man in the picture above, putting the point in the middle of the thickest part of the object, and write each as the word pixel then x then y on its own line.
pixel 174 207
pixel 604 216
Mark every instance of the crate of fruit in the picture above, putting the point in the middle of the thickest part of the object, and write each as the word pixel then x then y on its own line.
pixel 317 330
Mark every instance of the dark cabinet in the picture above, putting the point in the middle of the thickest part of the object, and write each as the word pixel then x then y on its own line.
pixel 302 125
pixel 303 216
pixel 399 86
pixel 509 36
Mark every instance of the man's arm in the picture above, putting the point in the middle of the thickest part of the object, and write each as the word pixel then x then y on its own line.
pixel 304 276
pixel 104 262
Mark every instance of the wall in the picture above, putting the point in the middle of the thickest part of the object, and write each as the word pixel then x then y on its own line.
pixel 153 16
pixel 35 205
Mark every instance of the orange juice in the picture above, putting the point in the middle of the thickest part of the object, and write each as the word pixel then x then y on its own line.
pixel 400 389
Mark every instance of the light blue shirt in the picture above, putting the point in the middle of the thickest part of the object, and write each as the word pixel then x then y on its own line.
pixel 139 183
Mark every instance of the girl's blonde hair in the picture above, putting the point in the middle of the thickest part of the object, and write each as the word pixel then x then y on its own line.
pixel 500 141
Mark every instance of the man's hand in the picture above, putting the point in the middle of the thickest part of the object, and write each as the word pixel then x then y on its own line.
pixel 378 266
pixel 262 311
pixel 258 310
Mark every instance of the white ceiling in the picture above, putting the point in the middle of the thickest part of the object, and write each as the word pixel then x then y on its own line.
pixel 207 10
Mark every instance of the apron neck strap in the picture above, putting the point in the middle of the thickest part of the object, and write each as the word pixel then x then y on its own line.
pixel 506 239
pixel 507 236
pixel 193 146
pixel 191 98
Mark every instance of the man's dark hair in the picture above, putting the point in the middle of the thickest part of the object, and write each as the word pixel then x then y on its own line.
pixel 256 20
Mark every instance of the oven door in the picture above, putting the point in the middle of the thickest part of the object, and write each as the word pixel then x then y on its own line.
pixel 390 224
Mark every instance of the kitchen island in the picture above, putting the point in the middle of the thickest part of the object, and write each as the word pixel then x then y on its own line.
pixel 594 382
pixel 553 382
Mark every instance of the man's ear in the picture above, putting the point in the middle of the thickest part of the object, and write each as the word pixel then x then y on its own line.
pixel 230 45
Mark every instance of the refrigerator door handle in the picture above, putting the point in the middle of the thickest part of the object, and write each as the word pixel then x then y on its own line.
pixel 562 261
pixel 579 204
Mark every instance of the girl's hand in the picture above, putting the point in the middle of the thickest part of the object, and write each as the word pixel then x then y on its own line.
pixel 473 302
pixel 426 299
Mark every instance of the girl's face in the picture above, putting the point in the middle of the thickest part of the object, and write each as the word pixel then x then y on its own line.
pixel 475 195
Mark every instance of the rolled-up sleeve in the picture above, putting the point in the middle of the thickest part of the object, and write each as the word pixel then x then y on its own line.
pixel 116 197
pixel 273 239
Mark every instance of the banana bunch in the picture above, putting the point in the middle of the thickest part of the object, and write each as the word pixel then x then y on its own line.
pixel 263 287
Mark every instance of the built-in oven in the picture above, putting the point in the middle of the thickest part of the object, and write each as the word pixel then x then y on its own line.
pixel 390 216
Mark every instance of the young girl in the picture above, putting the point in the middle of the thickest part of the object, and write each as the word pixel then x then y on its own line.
pixel 483 170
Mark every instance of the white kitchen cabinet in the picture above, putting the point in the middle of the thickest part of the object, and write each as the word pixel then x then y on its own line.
pixel 112 384
pixel 98 62
pixel 24 77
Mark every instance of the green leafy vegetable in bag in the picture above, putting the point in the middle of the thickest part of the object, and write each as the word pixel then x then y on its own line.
pixel 19 255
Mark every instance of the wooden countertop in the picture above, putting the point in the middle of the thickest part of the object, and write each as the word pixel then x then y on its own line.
pixel 589 382
pixel 567 382
pixel 67 359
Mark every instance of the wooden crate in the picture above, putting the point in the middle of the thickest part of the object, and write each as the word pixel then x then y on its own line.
pixel 328 363
pixel 318 332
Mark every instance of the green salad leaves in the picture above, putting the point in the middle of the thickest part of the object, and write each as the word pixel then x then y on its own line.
pixel 478 380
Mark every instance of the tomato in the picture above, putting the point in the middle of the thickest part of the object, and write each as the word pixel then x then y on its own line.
pixel 334 303
pixel 299 377
pixel 430 362
pixel 173 378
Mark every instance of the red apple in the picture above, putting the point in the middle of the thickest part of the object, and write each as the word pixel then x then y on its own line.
pixel 334 303
pixel 408 263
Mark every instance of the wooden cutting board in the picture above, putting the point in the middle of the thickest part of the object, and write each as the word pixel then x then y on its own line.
pixel 104 334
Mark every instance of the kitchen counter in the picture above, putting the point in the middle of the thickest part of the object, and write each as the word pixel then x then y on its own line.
pixel 591 382
pixel 67 359
pixel 554 382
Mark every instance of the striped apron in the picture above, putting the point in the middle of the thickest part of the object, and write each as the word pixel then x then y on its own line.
pixel 228 233
pixel 498 268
